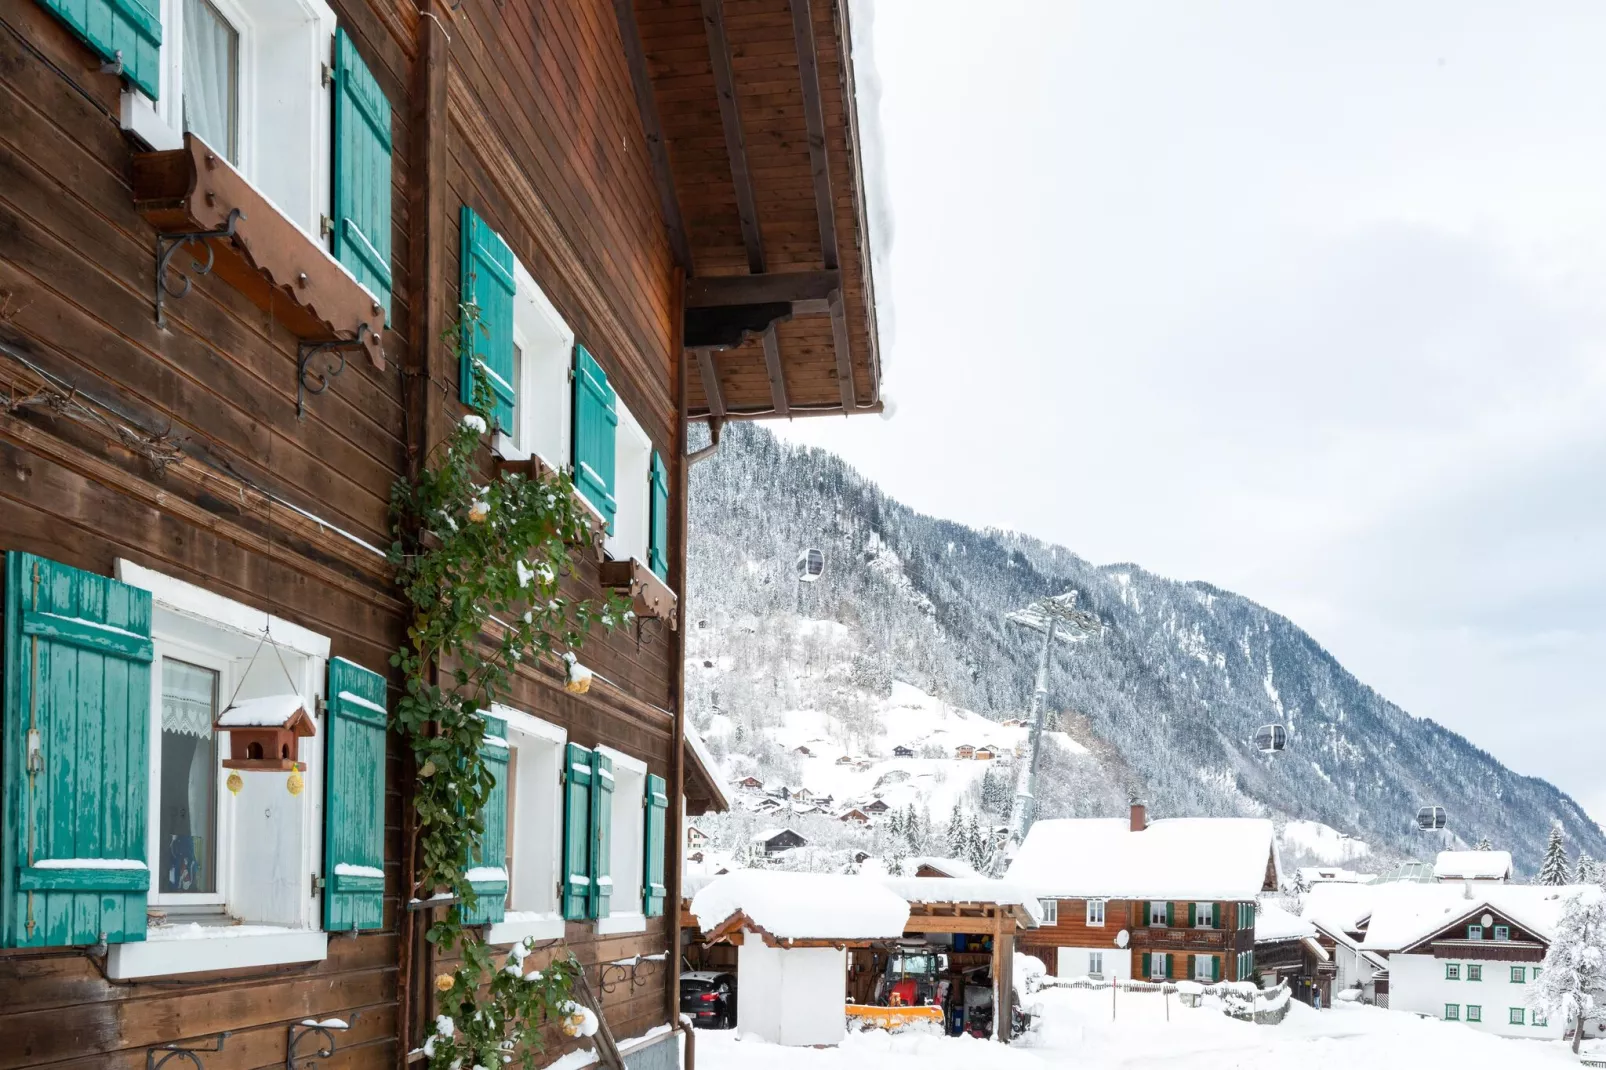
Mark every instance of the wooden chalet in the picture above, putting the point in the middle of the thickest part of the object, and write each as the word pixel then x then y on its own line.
pixel 901 751
pixel 231 246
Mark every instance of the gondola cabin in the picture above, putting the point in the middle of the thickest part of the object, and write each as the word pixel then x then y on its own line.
pixel 810 565
pixel 265 734
pixel 1272 739
pixel 1430 818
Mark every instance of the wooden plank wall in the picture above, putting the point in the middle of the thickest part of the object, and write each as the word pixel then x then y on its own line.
pixel 565 178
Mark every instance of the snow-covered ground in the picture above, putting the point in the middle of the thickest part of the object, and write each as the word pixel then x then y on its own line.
pixel 1077 1031
pixel 1325 844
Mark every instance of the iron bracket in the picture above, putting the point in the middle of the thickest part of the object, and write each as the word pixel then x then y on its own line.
pixel 173 1051
pixel 316 382
pixel 167 247
pixel 299 1031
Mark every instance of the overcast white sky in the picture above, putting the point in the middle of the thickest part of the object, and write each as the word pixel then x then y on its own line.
pixel 1305 300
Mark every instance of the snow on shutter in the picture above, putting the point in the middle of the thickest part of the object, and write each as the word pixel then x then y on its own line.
pixel 486 268
pixel 595 419
pixel 488 877
pixel 354 804
pixel 577 778
pixel 361 174
pixel 601 833
pixel 653 890
pixel 658 526
pixel 74 740
pixel 126 30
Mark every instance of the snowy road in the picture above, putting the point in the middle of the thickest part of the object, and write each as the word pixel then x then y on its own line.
pixel 1077 1031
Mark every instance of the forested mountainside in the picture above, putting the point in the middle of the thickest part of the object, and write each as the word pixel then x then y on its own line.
pixel 1165 702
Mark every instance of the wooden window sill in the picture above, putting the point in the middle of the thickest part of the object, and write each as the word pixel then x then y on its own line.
pixel 269 259
pixel 534 468
pixel 649 595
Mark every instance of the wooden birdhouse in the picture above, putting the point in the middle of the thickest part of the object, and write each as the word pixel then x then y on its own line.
pixel 265 734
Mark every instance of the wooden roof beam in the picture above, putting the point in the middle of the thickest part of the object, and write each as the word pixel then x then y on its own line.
pixel 653 128
pixel 772 364
pixel 808 69
pixel 792 287
pixel 844 360
pixel 711 387
pixel 730 118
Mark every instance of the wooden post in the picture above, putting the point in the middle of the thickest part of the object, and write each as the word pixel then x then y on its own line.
pixel 1003 974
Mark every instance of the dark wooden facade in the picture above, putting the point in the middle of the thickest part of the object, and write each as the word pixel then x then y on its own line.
pixel 178 446
pixel 1071 929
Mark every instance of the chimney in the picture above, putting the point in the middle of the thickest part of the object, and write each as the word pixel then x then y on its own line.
pixel 1140 815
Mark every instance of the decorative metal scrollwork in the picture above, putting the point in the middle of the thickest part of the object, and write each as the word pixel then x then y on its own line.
pixel 167 247
pixel 299 1031
pixel 158 1057
pixel 319 380
pixel 637 972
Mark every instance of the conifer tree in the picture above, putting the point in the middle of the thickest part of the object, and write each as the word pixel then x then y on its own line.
pixel 1585 873
pixel 955 841
pixel 1484 844
pixel 1553 870
pixel 1573 984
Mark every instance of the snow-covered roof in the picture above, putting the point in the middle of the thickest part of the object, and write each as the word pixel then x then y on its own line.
pixel 771 833
pixel 1535 907
pixel 1340 907
pixel 1404 911
pixel 270 711
pixel 1174 858
pixel 965 890
pixel 803 906
pixel 1273 923
pixel 948 867
pixel 705 758
pixel 1473 865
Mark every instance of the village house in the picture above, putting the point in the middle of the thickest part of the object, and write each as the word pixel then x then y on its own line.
pixel 845 760
pixel 855 815
pixel 943 867
pixel 802 752
pixel 985 754
pixel 876 806
pixel 778 840
pixel 1288 950
pixel 1473 867
pixel 254 258
pixel 964 752
pixel 696 838
pixel 750 783
pixel 1184 889
pixel 901 751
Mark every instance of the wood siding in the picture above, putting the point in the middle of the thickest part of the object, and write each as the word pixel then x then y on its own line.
pixel 1072 930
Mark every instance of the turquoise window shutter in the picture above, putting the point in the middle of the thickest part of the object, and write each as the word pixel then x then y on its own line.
pixel 487 284
pixel 113 29
pixel 75 750
pixel 596 416
pixel 361 236
pixel 658 531
pixel 354 803
pixel 601 833
pixel 576 831
pixel 653 890
pixel 490 886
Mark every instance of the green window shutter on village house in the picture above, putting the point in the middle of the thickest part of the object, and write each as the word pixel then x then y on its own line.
pixel 1171 915
pixel 354 804
pixel 652 869
pixel 1193 915
pixel 127 29
pixel 576 888
pixel 487 283
pixel 74 743
pixel 1148 965
pixel 361 175
pixel 490 885
pixel 595 418
pixel 658 531
pixel 601 834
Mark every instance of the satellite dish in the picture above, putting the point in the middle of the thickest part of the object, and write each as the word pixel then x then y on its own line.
pixel 1271 738
pixel 1487 920
pixel 1122 938
pixel 810 564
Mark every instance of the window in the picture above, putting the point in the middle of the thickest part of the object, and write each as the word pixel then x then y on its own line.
pixel 1095 964
pixel 632 460
pixel 1452 971
pixel 1204 916
pixel 1452 1012
pixel 1095 912
pixel 1246 916
pixel 1474 932
pixel 1474 1013
pixel 543 346
pixel 246 77
pixel 534 801
pixel 1159 967
pixel 1539 1019
pixel 1519 975
pixel 1204 968
pixel 1051 911
pixel 1157 913
pixel 187 781
pixel 1502 932
pixel 627 848
pixel 1517 1016
pixel 1474 972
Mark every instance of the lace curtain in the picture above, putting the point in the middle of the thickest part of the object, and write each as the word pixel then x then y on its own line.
pixel 211 76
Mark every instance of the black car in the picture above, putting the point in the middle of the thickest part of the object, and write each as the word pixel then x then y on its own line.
pixel 709 999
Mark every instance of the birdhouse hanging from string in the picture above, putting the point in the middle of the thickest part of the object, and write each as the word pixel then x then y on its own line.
pixel 265 733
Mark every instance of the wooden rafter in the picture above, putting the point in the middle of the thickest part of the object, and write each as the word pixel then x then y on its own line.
pixel 808 69
pixel 716 291
pixel 844 362
pixel 719 56
pixel 652 127
pixel 772 364
pixel 711 387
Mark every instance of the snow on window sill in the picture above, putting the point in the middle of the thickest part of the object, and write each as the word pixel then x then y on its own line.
pixel 193 948
pixel 517 925
pixel 621 923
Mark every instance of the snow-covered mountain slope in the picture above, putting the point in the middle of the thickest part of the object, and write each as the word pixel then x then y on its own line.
pixel 1165 703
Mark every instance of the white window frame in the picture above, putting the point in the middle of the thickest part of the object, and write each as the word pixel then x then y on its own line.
pixel 180 611
pixel 543 396
pixel 626 843
pixel 1095 964
pixel 1051 911
pixel 631 532
pixel 284 46
pixel 1204 969
pixel 1204 915
pixel 1158 915
pixel 1095 913
pixel 223 848
pixel 1159 966
pixel 534 800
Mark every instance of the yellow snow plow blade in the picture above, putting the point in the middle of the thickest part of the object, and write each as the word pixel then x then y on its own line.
pixel 890 1018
